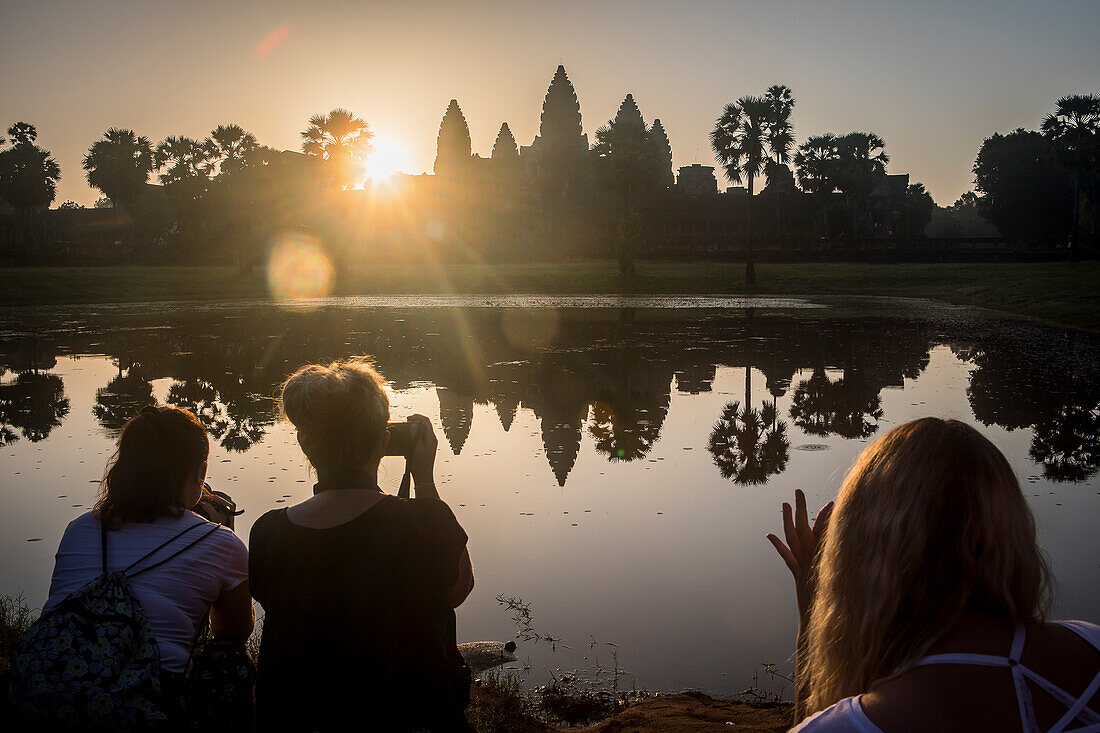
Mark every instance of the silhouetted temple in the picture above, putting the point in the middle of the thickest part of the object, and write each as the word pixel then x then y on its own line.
pixel 556 157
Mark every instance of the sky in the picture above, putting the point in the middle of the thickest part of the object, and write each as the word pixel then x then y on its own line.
pixel 933 78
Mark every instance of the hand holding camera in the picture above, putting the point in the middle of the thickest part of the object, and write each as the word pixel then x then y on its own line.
pixel 415 440
pixel 217 506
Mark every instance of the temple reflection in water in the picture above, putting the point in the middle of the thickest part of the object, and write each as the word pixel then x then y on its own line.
pixel 604 376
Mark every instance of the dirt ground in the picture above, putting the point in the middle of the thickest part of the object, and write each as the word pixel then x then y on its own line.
pixel 694 711
pixel 685 711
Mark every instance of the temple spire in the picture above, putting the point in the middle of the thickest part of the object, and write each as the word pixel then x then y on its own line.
pixel 453 144
pixel 560 125
pixel 661 155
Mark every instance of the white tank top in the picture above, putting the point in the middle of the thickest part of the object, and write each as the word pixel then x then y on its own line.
pixel 847 716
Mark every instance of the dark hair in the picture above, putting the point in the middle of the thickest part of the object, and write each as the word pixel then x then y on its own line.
pixel 157 452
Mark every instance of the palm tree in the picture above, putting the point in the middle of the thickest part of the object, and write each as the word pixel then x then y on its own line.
pixel 28 173
pixel 738 139
pixel 119 165
pixel 779 134
pixel 228 148
pixel 1074 128
pixel 341 140
pixel 861 162
pixel 816 168
pixel 184 160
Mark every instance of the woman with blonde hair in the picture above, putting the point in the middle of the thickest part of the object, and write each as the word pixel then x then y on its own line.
pixel 923 598
pixel 358 587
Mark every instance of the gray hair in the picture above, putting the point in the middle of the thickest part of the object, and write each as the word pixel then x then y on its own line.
pixel 340 411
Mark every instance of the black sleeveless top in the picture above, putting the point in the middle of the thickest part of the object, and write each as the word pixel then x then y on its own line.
pixel 356 631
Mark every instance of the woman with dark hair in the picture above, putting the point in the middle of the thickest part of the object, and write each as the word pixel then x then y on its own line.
pixel 181 567
pixel 358 587
pixel 923 598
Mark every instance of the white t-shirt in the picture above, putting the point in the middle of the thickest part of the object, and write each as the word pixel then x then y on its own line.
pixel 175 596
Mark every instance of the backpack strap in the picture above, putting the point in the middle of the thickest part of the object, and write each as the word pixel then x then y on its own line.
pixel 175 554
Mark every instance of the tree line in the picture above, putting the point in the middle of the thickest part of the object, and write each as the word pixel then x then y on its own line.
pixel 1028 183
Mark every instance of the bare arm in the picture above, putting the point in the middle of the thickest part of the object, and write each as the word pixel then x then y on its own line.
pixel 231 615
pixel 458 592
pixel 422 467
pixel 799 554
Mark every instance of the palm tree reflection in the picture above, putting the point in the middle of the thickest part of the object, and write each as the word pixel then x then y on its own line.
pixel 749 445
pixel 848 407
pixel 1068 444
pixel 34 404
pixel 121 399
pixel 236 425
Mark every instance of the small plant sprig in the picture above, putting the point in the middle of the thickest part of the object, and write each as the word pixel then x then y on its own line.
pixel 756 695
pixel 522 617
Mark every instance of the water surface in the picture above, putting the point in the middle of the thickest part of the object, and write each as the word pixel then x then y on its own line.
pixel 616 462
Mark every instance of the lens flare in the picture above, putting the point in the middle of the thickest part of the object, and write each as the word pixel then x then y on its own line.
pixel 271 42
pixel 299 268
pixel 530 329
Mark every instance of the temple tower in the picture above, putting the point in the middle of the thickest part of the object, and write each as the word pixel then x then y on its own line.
pixel 452 157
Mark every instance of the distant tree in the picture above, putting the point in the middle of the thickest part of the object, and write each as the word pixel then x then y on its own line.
pixel 1074 128
pixel 453 148
pixel 816 168
pixel 660 154
pixel 28 173
pixel 119 165
pixel 227 150
pixel 103 202
pixel 185 163
pixel 861 164
pixel 22 133
pixel 70 205
pixel 918 208
pixel 967 202
pixel 779 135
pixel 739 138
pixel 341 141
pixel 1024 191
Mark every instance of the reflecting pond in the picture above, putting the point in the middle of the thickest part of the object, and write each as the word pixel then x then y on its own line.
pixel 616 462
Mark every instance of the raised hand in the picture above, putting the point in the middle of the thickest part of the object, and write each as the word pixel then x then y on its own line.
pixel 422 458
pixel 802 545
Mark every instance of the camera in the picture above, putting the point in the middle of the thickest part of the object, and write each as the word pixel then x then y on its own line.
pixel 401 439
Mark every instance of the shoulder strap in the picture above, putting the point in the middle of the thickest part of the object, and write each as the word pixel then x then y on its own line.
pixel 177 553
pixel 164 544
pixel 103 536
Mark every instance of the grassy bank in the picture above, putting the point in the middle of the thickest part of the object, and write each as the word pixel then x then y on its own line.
pixel 1064 292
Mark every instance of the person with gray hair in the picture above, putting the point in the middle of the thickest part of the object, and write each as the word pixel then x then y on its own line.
pixel 359 587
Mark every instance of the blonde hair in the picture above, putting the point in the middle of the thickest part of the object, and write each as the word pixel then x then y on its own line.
pixel 340 411
pixel 929 522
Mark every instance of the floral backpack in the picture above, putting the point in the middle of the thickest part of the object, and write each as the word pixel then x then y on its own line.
pixel 92 662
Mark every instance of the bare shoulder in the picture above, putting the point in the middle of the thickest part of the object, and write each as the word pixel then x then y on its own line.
pixel 950 697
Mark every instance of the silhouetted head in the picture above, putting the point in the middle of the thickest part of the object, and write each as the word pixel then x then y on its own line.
pixel 340 412
pixel 930 522
pixel 158 468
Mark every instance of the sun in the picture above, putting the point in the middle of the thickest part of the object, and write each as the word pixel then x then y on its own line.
pixel 389 157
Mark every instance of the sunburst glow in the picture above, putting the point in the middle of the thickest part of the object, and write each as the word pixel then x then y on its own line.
pixel 388 157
